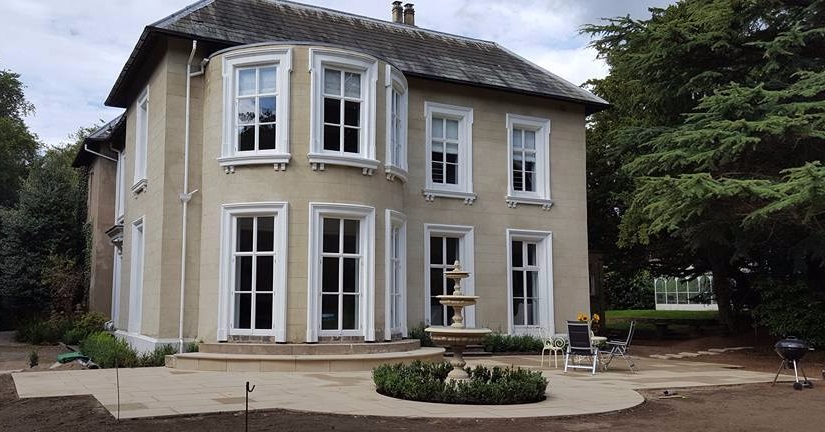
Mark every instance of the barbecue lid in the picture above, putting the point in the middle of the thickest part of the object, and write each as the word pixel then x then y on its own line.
pixel 791 343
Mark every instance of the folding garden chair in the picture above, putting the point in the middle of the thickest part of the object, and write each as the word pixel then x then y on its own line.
pixel 619 348
pixel 579 344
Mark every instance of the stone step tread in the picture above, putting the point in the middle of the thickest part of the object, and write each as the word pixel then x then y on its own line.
pixel 326 348
pixel 308 357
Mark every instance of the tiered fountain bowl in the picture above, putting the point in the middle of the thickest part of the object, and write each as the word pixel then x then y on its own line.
pixel 457 336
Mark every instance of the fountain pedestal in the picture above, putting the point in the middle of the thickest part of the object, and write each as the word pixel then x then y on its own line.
pixel 457 336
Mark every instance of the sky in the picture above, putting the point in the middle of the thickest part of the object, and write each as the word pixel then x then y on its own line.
pixel 69 52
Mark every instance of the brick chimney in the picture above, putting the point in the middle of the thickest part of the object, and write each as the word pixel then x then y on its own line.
pixel 397 12
pixel 409 14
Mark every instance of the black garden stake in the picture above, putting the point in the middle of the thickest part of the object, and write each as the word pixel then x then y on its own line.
pixel 246 416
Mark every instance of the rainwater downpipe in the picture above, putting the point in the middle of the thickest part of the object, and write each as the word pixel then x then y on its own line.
pixel 186 195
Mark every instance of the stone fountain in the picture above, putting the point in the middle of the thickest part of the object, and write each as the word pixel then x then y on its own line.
pixel 457 336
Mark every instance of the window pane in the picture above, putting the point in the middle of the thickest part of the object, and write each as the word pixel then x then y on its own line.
pixel 452 152
pixel 518 180
pixel 246 138
pixel 518 283
pixel 266 229
pixel 352 113
pixel 332 111
pixel 532 311
pixel 452 129
pixel 452 174
pixel 529 181
pixel 531 254
pixel 530 139
pixel 517 138
pixel 243 311
pixel 244 235
pixel 438 127
pixel 350 319
pixel 243 273
pixel 351 140
pixel 329 275
pixel 266 80
pixel 263 311
pixel 436 255
pixel 437 170
pixel 351 275
pixel 518 312
pixel 263 276
pixel 352 85
pixel 452 250
pixel 436 281
pixel 351 236
pixel 332 228
pixel 532 283
pixel 266 137
pixel 332 138
pixel 266 108
pixel 332 82
pixel 516 252
pixel 329 312
pixel 436 312
pixel 246 110
pixel 246 82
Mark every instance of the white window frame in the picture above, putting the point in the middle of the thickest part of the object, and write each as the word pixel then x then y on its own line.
pixel 281 58
pixel 466 253
pixel 348 62
pixel 120 186
pixel 366 215
pixel 464 189
pixel 395 220
pixel 229 213
pixel 544 259
pixel 117 272
pixel 541 195
pixel 396 84
pixel 139 180
pixel 136 275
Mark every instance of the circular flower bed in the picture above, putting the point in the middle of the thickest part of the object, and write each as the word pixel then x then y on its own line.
pixel 427 382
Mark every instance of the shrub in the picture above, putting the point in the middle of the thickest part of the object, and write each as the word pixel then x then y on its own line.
pixel 34 358
pixel 157 357
pixel 496 342
pixel 86 324
pixel 427 382
pixel 37 331
pixel 193 346
pixel 106 351
pixel 791 309
pixel 418 332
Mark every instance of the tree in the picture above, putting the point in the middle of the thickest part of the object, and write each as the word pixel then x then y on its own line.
pixel 18 146
pixel 43 240
pixel 720 124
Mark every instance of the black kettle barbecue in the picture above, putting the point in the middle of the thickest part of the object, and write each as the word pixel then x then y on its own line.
pixel 792 350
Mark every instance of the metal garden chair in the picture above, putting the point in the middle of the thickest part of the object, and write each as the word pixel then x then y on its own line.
pixel 619 348
pixel 580 345
pixel 552 343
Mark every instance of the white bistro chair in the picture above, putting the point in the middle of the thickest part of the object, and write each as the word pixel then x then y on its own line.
pixel 552 343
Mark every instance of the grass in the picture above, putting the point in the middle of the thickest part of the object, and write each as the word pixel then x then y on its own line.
pixel 660 314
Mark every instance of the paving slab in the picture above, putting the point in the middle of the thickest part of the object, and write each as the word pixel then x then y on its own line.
pixel 150 392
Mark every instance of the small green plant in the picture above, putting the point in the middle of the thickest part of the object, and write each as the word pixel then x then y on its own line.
pixel 86 324
pixel 106 351
pixel 499 343
pixel 34 358
pixel 193 346
pixel 418 332
pixel 157 357
pixel 427 382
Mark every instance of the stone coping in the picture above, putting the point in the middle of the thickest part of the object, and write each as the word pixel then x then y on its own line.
pixel 326 348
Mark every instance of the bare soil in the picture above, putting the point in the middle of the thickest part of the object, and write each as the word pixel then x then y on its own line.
pixel 752 408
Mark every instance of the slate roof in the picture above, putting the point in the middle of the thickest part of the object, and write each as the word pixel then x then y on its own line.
pixel 415 51
pixel 107 133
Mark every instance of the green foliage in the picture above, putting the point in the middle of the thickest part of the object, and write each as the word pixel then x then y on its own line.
pixel 18 146
pixel 629 290
pixel 427 382
pixel 714 143
pixel 38 331
pixel 34 358
pixel 193 346
pixel 791 309
pixel 107 351
pixel 85 325
pixel 500 343
pixel 157 357
pixel 418 332
pixel 660 314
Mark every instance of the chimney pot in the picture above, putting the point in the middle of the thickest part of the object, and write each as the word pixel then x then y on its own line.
pixel 397 12
pixel 409 14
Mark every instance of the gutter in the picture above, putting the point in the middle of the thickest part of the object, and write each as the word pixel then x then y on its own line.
pixel 87 149
pixel 186 195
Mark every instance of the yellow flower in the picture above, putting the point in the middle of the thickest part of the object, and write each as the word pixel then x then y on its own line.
pixel 596 317
pixel 581 316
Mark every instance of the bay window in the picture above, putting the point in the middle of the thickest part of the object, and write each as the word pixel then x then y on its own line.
pixel 396 159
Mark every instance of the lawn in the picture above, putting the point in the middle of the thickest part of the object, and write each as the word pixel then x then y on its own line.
pixel 660 314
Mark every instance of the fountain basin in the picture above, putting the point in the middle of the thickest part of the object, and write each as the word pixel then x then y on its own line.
pixel 453 300
pixel 447 336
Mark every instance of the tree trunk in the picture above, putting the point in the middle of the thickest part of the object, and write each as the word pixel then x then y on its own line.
pixel 722 291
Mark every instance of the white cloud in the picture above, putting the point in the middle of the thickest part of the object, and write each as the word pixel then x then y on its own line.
pixel 69 53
